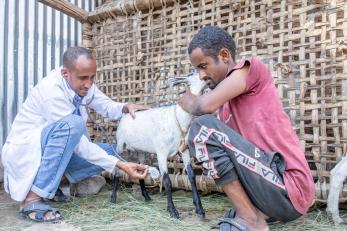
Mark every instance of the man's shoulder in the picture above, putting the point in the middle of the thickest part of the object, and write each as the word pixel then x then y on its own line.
pixel 52 79
pixel 50 86
pixel 258 62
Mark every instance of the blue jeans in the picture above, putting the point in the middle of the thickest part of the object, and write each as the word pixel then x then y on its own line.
pixel 58 141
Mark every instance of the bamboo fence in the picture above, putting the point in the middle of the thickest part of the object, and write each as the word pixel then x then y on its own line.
pixel 138 44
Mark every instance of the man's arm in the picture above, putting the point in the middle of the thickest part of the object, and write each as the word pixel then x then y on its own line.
pixel 229 88
pixel 96 155
pixel 106 107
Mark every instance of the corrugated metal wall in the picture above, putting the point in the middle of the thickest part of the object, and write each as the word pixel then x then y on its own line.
pixel 32 40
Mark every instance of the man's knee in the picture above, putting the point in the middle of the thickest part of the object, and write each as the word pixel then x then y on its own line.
pixel 203 120
pixel 226 177
pixel 207 121
pixel 75 124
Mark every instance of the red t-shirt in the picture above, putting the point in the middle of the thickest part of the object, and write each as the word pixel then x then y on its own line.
pixel 257 114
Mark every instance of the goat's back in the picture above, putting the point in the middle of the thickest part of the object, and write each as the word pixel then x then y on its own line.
pixel 154 130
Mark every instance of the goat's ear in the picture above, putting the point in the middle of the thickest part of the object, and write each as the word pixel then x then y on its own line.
pixel 175 82
pixel 181 77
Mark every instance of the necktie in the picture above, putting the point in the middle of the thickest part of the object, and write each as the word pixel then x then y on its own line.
pixel 76 102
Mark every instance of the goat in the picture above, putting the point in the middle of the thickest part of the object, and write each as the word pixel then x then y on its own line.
pixel 338 175
pixel 162 131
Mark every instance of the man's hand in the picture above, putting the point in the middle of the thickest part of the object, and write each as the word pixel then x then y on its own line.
pixel 132 108
pixel 135 171
pixel 189 102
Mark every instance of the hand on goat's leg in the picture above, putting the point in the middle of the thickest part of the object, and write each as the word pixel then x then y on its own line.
pixel 114 189
pixel 144 191
pixel 170 205
pixel 199 210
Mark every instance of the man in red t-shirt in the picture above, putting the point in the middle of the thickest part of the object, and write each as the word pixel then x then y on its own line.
pixel 252 152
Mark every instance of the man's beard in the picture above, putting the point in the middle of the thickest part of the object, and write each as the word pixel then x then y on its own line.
pixel 210 83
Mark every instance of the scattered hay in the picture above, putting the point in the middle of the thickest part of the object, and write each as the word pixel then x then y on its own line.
pixel 132 213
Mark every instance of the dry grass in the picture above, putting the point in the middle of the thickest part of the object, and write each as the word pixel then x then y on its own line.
pixel 132 213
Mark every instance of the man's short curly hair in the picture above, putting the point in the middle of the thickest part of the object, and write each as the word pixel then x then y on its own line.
pixel 211 40
pixel 72 53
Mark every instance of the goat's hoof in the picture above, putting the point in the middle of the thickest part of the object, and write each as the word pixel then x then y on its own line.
pixel 341 222
pixel 201 214
pixel 113 200
pixel 174 213
pixel 147 198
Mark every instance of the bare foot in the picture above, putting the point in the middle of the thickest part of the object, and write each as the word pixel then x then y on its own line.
pixel 253 224
pixel 254 220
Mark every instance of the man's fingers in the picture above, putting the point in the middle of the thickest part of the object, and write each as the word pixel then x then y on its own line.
pixel 144 174
pixel 132 113
pixel 140 174
pixel 142 167
pixel 143 107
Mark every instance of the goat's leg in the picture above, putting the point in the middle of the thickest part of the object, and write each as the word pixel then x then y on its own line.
pixel 338 174
pixel 144 190
pixel 162 162
pixel 170 205
pixel 199 210
pixel 114 189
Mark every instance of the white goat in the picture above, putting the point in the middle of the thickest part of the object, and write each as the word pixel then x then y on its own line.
pixel 338 175
pixel 161 131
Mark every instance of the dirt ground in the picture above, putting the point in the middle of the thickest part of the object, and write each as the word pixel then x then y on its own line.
pixel 133 213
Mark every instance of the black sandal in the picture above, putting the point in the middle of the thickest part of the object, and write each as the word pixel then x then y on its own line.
pixel 232 213
pixel 40 208
pixel 230 224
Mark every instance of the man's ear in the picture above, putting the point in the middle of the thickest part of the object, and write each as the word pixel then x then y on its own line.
pixel 225 55
pixel 64 72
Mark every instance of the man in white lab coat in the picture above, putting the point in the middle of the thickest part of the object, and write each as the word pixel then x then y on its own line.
pixel 48 138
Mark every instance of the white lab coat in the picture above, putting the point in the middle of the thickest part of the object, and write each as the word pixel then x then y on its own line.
pixel 49 101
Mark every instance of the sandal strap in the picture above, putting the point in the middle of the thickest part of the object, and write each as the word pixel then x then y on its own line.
pixel 231 224
pixel 40 209
pixel 38 205
pixel 230 214
pixel 40 215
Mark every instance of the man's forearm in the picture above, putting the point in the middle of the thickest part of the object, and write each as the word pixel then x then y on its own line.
pixel 199 107
pixel 197 110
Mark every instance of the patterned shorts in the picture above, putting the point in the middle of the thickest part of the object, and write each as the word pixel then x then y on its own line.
pixel 226 156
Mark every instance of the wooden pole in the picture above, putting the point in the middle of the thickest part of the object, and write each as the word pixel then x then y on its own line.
pixel 126 7
pixel 179 181
pixel 67 8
